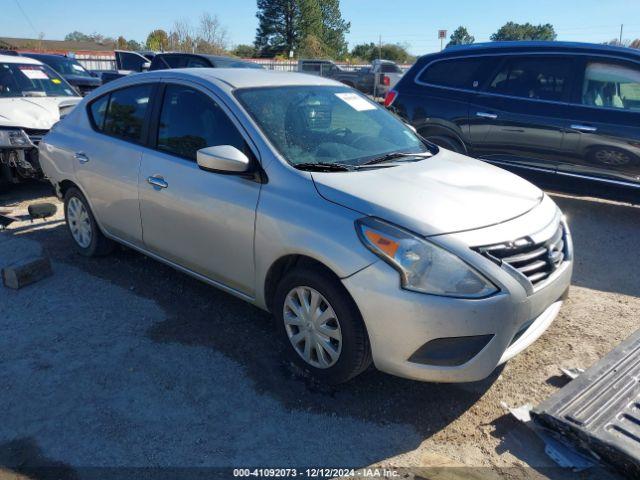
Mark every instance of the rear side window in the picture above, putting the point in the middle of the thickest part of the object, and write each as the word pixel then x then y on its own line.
pixel 197 62
pixel 98 111
pixel 540 78
pixel 126 112
pixel 389 68
pixel 467 73
pixel 611 85
pixel 190 120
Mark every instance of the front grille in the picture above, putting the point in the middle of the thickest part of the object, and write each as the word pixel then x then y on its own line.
pixel 35 135
pixel 536 261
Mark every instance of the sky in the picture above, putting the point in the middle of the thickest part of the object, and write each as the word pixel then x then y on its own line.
pixel 414 23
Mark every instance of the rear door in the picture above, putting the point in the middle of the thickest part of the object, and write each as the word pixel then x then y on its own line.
pixel 108 160
pixel 604 122
pixel 200 220
pixel 519 116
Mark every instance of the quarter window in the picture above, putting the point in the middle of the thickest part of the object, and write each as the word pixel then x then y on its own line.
pixel 467 73
pixel 190 120
pixel 126 112
pixel 537 78
pixel 98 111
pixel 611 85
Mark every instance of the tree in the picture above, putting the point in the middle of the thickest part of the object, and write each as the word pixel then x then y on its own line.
pixel 309 27
pixel 212 35
pixel 121 43
pixel 133 45
pixel 524 31
pixel 460 37
pixel 387 51
pixel 157 40
pixel 244 51
pixel 635 43
pixel 277 27
pixel 77 36
pixel 365 51
pixel 334 28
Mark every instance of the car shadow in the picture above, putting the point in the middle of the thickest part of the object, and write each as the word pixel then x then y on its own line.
pixel 15 194
pixel 202 316
pixel 602 232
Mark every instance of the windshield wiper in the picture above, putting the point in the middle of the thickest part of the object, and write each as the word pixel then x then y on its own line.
pixel 395 156
pixel 325 167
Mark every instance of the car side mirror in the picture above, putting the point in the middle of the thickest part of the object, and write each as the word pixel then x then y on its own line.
pixel 145 67
pixel 222 158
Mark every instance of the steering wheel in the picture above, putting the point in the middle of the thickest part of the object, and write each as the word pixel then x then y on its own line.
pixel 341 132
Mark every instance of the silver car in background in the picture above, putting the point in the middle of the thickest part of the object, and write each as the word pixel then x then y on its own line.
pixel 303 197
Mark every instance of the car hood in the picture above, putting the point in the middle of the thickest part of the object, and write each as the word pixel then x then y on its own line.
pixel 81 80
pixel 445 193
pixel 34 112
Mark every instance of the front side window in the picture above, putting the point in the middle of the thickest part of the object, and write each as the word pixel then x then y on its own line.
pixel 126 112
pixel 131 61
pixel 32 80
pixel 611 85
pixel 326 124
pixel 190 120
pixel 537 78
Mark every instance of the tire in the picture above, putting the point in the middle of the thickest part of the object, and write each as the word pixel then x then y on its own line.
pixel 354 351
pixel 79 218
pixel 447 142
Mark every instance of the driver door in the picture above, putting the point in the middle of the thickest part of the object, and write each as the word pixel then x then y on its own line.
pixel 202 221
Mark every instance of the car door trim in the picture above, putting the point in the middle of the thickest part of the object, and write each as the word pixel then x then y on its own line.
pixel 620 183
pixel 182 269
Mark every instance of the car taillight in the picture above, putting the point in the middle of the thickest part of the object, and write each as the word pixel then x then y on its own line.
pixel 390 98
pixel 386 80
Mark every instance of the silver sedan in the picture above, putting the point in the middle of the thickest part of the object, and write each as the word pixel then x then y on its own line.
pixel 303 197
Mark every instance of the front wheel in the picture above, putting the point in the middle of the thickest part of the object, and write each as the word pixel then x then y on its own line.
pixel 321 326
pixel 85 233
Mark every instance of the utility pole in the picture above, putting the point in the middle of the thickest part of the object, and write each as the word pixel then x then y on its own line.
pixel 380 47
pixel 621 27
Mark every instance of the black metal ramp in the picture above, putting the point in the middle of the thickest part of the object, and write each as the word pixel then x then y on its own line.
pixel 599 411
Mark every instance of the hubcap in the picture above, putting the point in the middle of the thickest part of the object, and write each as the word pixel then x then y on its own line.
pixel 312 327
pixel 79 222
pixel 612 157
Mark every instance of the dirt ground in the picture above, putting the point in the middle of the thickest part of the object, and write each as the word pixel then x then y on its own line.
pixel 124 362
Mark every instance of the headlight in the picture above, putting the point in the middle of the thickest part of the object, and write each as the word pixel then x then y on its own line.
pixel 423 266
pixel 13 137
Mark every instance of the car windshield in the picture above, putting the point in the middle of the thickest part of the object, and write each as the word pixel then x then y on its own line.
pixel 67 66
pixel 326 124
pixel 32 80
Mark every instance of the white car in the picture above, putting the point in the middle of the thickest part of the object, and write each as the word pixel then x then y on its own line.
pixel 32 98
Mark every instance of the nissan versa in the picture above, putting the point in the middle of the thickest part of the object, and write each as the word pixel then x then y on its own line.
pixel 301 196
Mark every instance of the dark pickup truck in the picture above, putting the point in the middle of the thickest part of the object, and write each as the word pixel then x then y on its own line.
pixel 375 79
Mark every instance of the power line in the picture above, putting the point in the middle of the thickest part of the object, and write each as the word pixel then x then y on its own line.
pixel 27 18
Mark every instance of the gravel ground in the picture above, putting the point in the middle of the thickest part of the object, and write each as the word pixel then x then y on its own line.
pixel 122 361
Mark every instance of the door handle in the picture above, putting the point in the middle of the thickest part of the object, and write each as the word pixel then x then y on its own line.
pixel 491 116
pixel 81 157
pixel 158 182
pixel 584 128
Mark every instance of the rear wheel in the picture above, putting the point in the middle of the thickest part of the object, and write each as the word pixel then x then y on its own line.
pixel 321 326
pixel 85 233
pixel 447 142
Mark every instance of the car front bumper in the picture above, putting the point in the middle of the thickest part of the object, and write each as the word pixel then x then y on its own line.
pixel 400 322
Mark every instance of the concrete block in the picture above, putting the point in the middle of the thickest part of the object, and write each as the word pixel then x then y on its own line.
pixel 26 271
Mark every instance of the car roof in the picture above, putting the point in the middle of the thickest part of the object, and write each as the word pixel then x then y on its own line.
pixel 524 46
pixel 45 56
pixel 18 59
pixel 245 77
